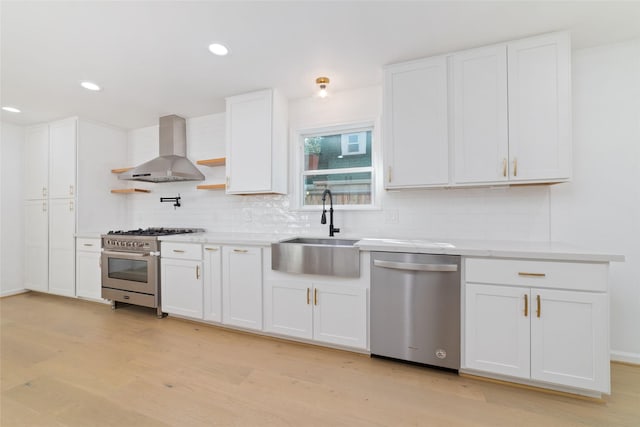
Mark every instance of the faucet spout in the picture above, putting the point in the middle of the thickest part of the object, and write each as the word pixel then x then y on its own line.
pixel 323 219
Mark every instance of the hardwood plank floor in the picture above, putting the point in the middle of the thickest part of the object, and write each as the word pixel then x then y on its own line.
pixel 67 362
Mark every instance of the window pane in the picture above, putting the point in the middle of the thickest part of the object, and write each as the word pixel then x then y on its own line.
pixel 346 189
pixel 340 151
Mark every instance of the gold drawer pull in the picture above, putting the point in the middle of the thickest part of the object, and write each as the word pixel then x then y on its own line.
pixel 539 309
pixel 88 244
pixel 526 305
pixel 211 249
pixel 308 296
pixel 525 274
pixel 241 251
pixel 178 251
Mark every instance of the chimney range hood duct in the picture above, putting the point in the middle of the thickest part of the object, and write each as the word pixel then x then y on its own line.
pixel 172 164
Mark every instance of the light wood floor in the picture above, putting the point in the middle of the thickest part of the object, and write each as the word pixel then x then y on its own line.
pixel 67 362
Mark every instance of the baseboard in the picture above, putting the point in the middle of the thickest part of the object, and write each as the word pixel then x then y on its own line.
pixel 13 292
pixel 625 357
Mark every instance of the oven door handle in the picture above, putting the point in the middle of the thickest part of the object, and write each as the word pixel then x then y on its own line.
pixel 126 254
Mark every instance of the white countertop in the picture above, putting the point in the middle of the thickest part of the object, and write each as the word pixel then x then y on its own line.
pixel 478 248
pixel 491 248
pixel 89 234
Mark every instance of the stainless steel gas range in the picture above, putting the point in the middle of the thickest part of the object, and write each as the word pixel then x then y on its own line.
pixel 131 266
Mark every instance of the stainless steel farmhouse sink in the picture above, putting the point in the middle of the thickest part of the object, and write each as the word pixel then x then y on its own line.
pixel 308 255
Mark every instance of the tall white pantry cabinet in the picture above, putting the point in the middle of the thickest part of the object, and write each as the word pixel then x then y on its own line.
pixel 67 178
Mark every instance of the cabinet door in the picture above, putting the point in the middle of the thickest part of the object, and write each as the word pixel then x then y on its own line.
pixel 415 131
pixel 249 139
pixel 288 308
pixel 181 284
pixel 36 162
pixel 340 314
pixel 213 283
pixel 62 159
pixel 497 329
pixel 569 343
pixel 480 115
pixel 88 275
pixel 539 107
pixel 36 245
pixel 62 251
pixel 242 287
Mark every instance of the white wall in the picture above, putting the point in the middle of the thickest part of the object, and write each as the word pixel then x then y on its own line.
pixel 600 208
pixel 11 224
pixel 503 213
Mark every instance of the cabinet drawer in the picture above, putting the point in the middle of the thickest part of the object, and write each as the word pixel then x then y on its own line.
pixel 87 245
pixel 539 274
pixel 181 250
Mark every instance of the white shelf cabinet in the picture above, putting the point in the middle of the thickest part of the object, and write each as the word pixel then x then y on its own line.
pixel 181 280
pixel 415 124
pixel 538 320
pixel 212 283
pixel 256 139
pixel 242 286
pixel 88 268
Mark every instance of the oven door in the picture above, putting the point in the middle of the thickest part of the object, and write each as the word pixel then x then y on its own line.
pixel 130 271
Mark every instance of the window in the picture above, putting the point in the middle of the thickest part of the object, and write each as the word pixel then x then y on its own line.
pixel 339 160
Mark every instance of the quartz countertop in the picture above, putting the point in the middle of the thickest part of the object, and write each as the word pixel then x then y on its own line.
pixel 89 234
pixel 557 251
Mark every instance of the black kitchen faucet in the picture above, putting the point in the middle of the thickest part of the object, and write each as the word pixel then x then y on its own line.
pixel 323 219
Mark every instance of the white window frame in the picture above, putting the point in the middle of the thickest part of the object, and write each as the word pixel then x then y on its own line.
pixel 297 163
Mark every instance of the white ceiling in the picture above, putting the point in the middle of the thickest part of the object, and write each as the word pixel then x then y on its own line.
pixel 151 58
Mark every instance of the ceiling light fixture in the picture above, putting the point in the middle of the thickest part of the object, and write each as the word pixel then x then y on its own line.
pixel 322 82
pixel 11 109
pixel 90 86
pixel 218 49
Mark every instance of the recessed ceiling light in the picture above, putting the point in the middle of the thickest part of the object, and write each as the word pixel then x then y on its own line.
pixel 90 86
pixel 11 109
pixel 218 49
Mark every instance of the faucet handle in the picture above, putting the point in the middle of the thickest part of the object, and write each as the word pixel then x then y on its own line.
pixel 336 230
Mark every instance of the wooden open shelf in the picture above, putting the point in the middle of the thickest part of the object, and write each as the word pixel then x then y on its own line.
pixel 120 170
pixel 211 187
pixel 220 161
pixel 130 190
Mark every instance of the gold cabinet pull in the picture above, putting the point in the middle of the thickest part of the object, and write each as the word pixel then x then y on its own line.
pixel 44 206
pixel 44 191
pixel 240 251
pixel 197 272
pixel 308 296
pixel 178 251
pixel 538 309
pixel 315 296
pixel 526 274
pixel 71 205
pixel 526 305
pixel 87 244
pixel 504 167
pixel 211 249
pixel 515 166
pixel 71 190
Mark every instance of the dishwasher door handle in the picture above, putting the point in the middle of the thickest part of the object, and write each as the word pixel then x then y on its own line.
pixel 415 267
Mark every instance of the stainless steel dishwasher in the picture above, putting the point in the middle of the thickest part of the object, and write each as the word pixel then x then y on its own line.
pixel 415 308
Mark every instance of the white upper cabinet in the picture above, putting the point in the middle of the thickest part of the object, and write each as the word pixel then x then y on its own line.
pixel 257 143
pixel 480 133
pixel 415 125
pixel 509 116
pixel 540 108
pixel 62 158
pixel 36 158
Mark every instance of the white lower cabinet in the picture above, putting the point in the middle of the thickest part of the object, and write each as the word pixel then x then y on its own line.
pixel 326 312
pixel 88 273
pixel 62 251
pixel 242 286
pixel 212 283
pixel 181 279
pixel 555 336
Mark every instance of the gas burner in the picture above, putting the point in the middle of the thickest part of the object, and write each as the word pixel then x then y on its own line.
pixel 157 231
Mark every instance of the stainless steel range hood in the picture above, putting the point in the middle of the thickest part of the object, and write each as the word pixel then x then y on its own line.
pixel 172 164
